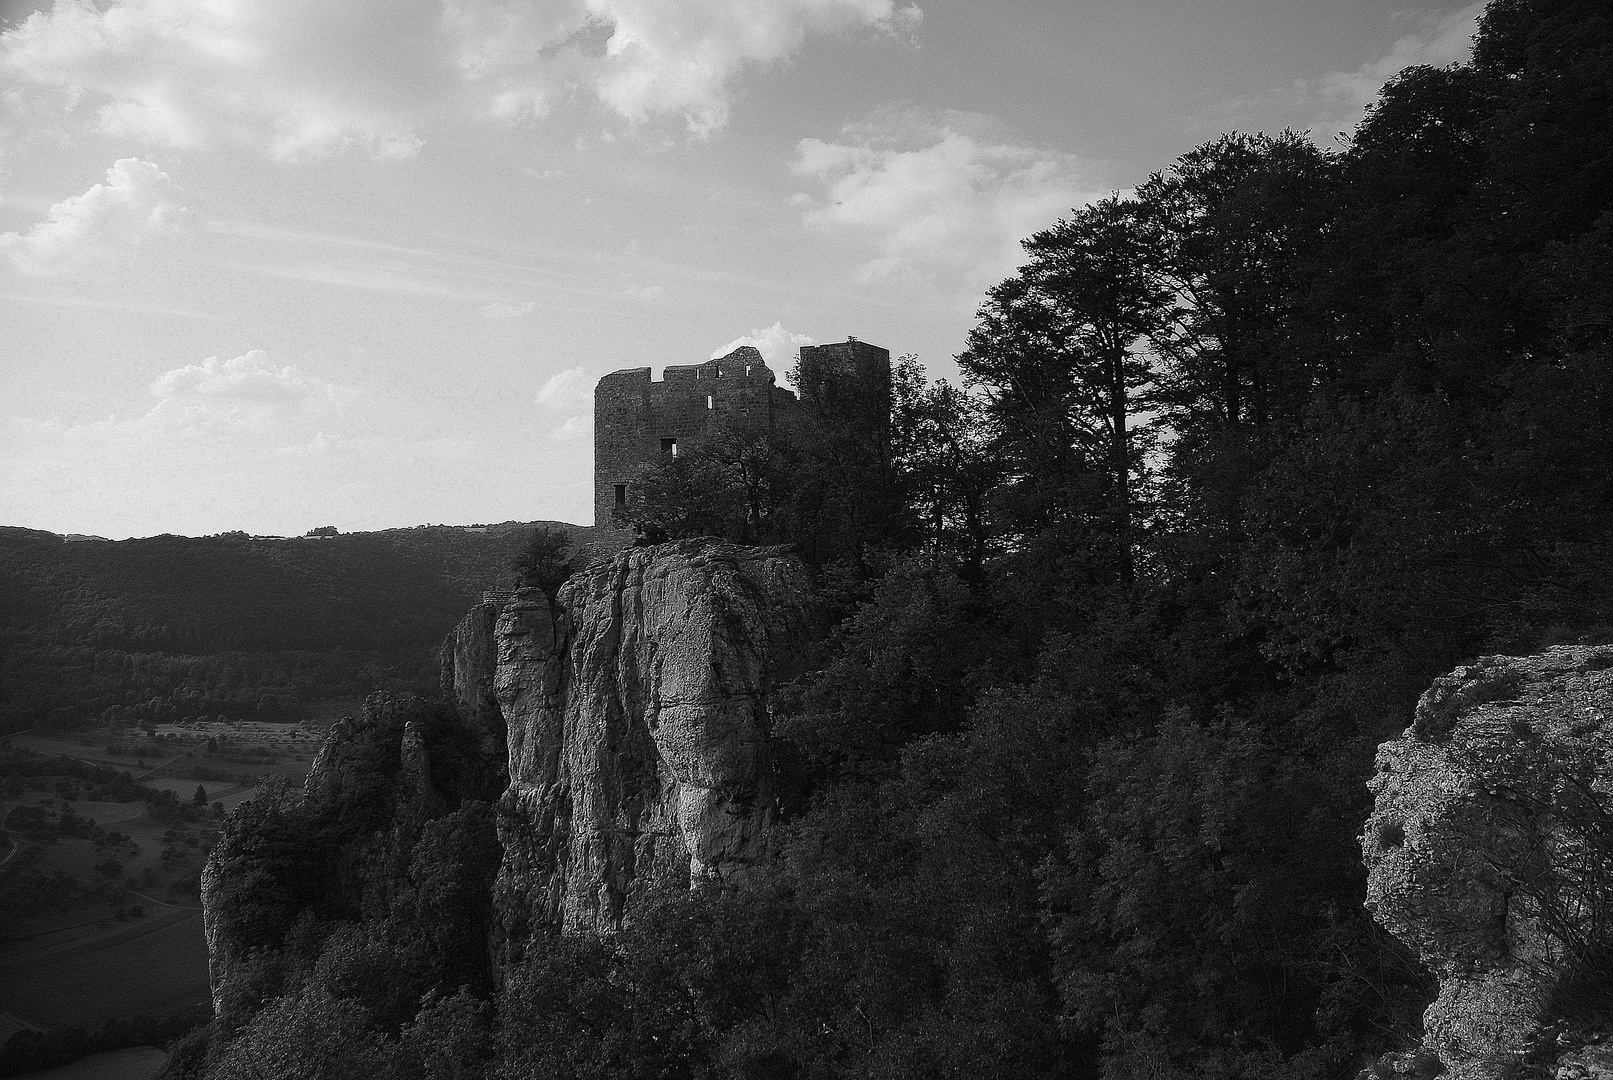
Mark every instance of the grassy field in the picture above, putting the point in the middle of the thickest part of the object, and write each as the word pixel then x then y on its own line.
pixel 85 975
pixel 237 751
pixel 119 931
pixel 138 1063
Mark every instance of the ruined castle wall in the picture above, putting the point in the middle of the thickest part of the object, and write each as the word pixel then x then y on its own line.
pixel 639 423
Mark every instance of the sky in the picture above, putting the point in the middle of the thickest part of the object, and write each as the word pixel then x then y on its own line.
pixel 270 265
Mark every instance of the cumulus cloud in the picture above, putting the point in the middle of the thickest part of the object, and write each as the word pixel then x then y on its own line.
pixel 304 78
pixel 570 391
pixel 136 202
pixel 508 311
pixel 575 429
pixel 1438 39
pixel 292 78
pixel 680 56
pixel 943 200
pixel 777 345
pixel 248 378
pixel 645 58
pixel 243 396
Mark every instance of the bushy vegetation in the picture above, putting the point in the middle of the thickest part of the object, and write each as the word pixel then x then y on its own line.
pixel 1245 460
pixel 30 1051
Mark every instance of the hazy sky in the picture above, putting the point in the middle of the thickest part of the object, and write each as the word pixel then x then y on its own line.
pixel 274 264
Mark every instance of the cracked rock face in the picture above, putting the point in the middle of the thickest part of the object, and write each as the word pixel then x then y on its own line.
pixel 1489 850
pixel 469 658
pixel 637 711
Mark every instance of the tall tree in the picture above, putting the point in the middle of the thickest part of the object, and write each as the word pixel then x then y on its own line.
pixel 1056 350
pixel 944 462
pixel 1232 220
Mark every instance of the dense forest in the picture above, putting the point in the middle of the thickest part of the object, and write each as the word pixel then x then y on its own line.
pixel 175 627
pixel 1243 460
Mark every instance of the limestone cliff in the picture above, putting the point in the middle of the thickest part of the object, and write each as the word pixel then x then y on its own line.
pixel 1490 852
pixel 624 730
pixel 637 712
pixel 469 657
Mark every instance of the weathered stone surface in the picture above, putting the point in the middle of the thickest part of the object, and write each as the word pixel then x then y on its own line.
pixel 1487 850
pixel 469 657
pixel 638 726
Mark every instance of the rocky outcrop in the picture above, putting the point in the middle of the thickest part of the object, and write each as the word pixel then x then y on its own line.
pixel 1490 852
pixel 469 656
pixel 341 847
pixel 626 727
pixel 638 726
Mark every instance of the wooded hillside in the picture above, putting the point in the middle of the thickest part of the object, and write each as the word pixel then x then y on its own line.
pixel 233 625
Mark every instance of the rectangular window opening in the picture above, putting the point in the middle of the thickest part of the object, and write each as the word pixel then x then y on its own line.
pixel 709 403
pixel 621 494
pixel 669 447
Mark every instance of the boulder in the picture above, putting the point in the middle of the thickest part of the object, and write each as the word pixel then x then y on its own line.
pixel 1489 852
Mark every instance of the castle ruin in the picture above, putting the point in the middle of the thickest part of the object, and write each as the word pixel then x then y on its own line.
pixel 640 423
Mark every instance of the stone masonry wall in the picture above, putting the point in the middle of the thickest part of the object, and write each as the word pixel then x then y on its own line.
pixel 638 421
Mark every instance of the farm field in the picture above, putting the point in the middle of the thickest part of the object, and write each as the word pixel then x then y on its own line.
pixel 136 1063
pixel 83 976
pixel 212 750
pixel 99 910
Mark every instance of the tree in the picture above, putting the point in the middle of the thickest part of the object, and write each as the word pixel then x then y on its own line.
pixel 200 798
pixel 1056 350
pixel 944 463
pixel 738 484
pixel 1231 221
pixel 544 561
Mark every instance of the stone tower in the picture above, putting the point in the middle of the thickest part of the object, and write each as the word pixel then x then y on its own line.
pixel 639 423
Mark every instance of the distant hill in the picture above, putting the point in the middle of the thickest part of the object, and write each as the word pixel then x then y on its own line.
pixel 232 624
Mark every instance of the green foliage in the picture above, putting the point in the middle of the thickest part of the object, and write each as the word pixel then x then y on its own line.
pixel 544 561
pixel 169 627
pixel 896 671
pixel 31 1051
pixel 826 481
pixel 739 484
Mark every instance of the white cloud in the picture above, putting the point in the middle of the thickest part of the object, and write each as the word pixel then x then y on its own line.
pixel 136 202
pixel 644 58
pixel 647 293
pixel 248 378
pixel 320 445
pixel 777 345
pixel 944 200
pixel 575 429
pixel 508 311
pixel 680 55
pixel 244 396
pixel 297 79
pixel 570 389
pixel 291 78
pixel 1343 96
